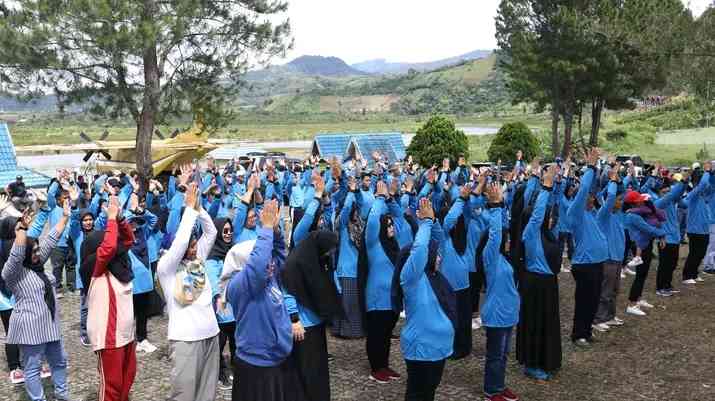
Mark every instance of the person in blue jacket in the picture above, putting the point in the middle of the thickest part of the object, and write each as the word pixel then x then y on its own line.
pixel 351 231
pixel 500 312
pixel 538 339
pixel 698 224
pixel 427 337
pixel 611 221
pixel 382 251
pixel 246 218
pixel 224 314
pixel 669 193
pixel 264 338
pixel 591 251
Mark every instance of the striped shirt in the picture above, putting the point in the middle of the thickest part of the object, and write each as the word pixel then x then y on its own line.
pixel 30 322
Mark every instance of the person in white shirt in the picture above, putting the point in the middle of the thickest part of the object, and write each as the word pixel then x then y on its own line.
pixel 193 330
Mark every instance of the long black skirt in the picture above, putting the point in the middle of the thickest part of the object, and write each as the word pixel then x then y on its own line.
pixel 278 383
pixel 463 331
pixel 538 335
pixel 311 359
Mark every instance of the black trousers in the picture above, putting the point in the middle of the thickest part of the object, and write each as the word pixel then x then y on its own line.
pixel 311 358
pixel 423 378
pixel 227 334
pixel 697 247
pixel 588 279
pixel 476 283
pixel 463 332
pixel 142 302
pixel 12 351
pixel 61 262
pixel 641 273
pixel 668 261
pixel 379 332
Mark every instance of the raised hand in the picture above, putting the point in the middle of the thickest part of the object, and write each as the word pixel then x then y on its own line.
pixel 192 197
pixel 409 184
pixel 592 156
pixel 381 189
pixel 494 193
pixel 113 208
pixel 74 194
pixel 270 215
pixel 425 211
pixel 319 185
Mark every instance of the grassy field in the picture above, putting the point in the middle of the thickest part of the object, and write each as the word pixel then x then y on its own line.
pixel 696 136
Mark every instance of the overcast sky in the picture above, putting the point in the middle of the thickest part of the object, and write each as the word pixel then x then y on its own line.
pixel 397 30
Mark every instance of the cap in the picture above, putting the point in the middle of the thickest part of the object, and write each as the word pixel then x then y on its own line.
pixel 241 171
pixel 696 165
pixel 635 197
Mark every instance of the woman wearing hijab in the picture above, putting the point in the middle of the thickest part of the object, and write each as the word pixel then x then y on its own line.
pixel 430 307
pixel 81 225
pixel 246 219
pixel 224 314
pixel 351 228
pixel 538 338
pixel 263 328
pixel 35 323
pixel 382 253
pixel 311 300
pixel 107 274
pixel 454 250
pixel 500 312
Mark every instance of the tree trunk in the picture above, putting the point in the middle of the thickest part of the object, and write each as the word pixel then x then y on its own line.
pixel 555 145
pixel 150 102
pixel 596 112
pixel 568 132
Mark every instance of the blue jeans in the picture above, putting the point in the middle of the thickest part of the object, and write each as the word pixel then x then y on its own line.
pixel 32 357
pixel 498 340
pixel 83 313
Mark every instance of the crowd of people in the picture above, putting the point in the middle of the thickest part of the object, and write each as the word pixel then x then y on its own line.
pixel 269 258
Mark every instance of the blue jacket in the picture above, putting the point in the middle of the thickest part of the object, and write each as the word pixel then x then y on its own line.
pixel 458 273
pixel 640 231
pixel 307 317
pixel 669 203
pixel 264 336
pixel 612 225
pixel 428 334
pixel 380 268
pixel 698 211
pixel 535 259
pixel 590 243
pixel 502 302
pixel 348 254
pixel 213 272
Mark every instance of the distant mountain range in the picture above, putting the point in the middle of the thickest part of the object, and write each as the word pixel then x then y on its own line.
pixel 382 66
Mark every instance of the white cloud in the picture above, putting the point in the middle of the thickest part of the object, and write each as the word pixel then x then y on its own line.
pixel 398 30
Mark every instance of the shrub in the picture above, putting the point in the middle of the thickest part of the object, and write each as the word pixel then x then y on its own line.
pixel 616 135
pixel 438 139
pixel 511 138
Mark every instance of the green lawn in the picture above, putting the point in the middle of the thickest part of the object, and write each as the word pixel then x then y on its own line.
pixel 696 136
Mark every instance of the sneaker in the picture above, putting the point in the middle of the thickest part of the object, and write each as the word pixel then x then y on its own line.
pixel 619 320
pixel 699 279
pixel 582 343
pixel 17 376
pixel 146 347
pixel 84 340
pixel 536 374
pixel 60 295
pixel 224 383
pixel 509 395
pixel 635 310
pixel 689 281
pixel 629 271
pixel 392 374
pixel 644 304
pixel 673 291
pixel 496 397
pixel 380 377
pixel 602 327
pixel 403 315
pixel 614 323
pixel 45 372
pixel 637 261
pixel 477 323
pixel 663 293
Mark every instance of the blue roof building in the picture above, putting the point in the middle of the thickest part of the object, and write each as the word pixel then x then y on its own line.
pixel 349 146
pixel 9 169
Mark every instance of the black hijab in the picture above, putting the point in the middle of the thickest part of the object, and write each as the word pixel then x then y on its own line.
pixel 221 247
pixel 7 236
pixel 308 275
pixel 39 269
pixel 120 266
pixel 389 245
pixel 458 234
pixel 552 250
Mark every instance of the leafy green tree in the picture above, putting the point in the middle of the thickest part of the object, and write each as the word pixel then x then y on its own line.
pixel 151 59
pixel 436 140
pixel 511 138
